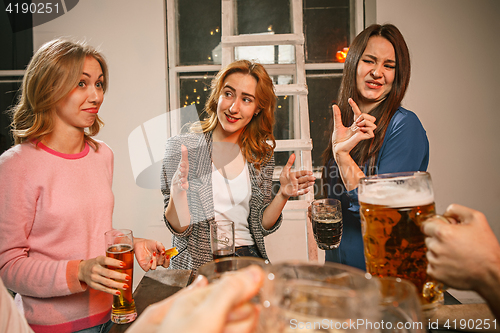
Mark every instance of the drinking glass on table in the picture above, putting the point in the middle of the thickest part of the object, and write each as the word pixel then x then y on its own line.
pixel 393 208
pixel 214 269
pixel 222 238
pixel 326 218
pixel 120 245
pixel 312 297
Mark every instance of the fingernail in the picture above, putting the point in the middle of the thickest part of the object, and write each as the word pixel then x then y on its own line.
pixel 125 287
pixel 127 278
pixel 163 253
pixel 154 254
pixel 122 264
pixel 118 293
pixel 151 261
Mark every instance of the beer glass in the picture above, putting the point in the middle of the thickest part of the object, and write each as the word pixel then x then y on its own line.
pixel 393 207
pixel 120 245
pixel 326 218
pixel 400 307
pixel 311 297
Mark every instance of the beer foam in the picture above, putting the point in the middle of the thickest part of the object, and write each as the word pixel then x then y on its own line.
pixel 392 195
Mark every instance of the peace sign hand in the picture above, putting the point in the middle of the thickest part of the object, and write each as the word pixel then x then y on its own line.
pixel 344 139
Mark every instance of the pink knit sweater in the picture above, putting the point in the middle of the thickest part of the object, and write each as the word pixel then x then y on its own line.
pixel 54 210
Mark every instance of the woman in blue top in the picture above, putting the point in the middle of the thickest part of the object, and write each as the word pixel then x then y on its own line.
pixel 371 132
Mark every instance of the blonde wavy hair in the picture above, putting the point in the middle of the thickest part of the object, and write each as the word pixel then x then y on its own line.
pixel 253 140
pixel 53 72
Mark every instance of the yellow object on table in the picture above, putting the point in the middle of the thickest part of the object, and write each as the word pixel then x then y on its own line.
pixel 170 253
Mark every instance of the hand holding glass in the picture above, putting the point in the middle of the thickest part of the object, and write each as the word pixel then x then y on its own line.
pixel 326 218
pixel 120 245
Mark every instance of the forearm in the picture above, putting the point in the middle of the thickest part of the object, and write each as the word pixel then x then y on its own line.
pixel 177 212
pixel 489 288
pixel 273 211
pixel 349 170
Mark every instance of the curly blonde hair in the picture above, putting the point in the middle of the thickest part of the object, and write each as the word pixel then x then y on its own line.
pixel 53 72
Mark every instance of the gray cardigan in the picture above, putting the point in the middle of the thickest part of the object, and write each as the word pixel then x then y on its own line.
pixel 200 199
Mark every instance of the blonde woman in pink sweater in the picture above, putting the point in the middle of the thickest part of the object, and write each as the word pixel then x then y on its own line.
pixel 56 200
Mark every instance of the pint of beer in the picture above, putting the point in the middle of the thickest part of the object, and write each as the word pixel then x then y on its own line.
pixel 120 245
pixel 393 207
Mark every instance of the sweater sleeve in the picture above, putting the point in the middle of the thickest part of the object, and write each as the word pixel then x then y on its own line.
pixel 405 147
pixel 267 185
pixel 171 160
pixel 22 273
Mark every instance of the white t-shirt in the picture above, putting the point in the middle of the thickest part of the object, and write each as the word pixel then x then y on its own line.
pixel 232 202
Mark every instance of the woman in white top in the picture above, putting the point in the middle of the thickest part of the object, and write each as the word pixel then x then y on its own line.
pixel 223 169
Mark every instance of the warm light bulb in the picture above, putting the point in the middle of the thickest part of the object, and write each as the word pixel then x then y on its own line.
pixel 341 55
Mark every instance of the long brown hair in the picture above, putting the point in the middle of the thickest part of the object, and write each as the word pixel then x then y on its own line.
pixel 367 150
pixel 53 72
pixel 253 139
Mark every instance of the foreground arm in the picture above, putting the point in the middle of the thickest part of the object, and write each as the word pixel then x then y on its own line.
pixel 221 306
pixel 465 255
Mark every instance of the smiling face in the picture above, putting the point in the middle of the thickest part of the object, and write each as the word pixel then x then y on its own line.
pixel 236 106
pixel 78 110
pixel 375 72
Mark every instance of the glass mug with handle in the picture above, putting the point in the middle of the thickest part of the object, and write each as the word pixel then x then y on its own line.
pixel 326 219
pixel 393 208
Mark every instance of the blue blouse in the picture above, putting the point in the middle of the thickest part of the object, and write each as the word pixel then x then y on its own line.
pixel 405 148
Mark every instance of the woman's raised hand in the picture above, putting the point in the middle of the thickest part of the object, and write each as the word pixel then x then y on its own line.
pixel 344 139
pixel 294 183
pixel 180 178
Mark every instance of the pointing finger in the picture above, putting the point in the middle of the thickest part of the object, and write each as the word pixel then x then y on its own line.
pixel 355 108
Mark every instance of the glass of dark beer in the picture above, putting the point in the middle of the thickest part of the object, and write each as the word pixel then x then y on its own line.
pixel 393 208
pixel 326 217
pixel 120 245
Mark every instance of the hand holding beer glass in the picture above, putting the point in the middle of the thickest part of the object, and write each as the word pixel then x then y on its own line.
pixel 393 208
pixel 120 245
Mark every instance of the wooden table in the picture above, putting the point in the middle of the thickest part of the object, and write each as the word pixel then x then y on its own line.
pixel 155 286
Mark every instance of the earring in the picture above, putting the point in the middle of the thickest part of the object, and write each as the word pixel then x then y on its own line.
pixel 255 114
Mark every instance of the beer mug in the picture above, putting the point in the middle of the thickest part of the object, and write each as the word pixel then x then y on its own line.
pixel 401 311
pixel 393 208
pixel 326 218
pixel 311 297
pixel 120 245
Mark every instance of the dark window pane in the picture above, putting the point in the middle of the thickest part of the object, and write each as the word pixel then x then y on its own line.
pixel 194 90
pixel 323 91
pixel 283 126
pixel 17 47
pixel 199 31
pixel 326 29
pixel 263 16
